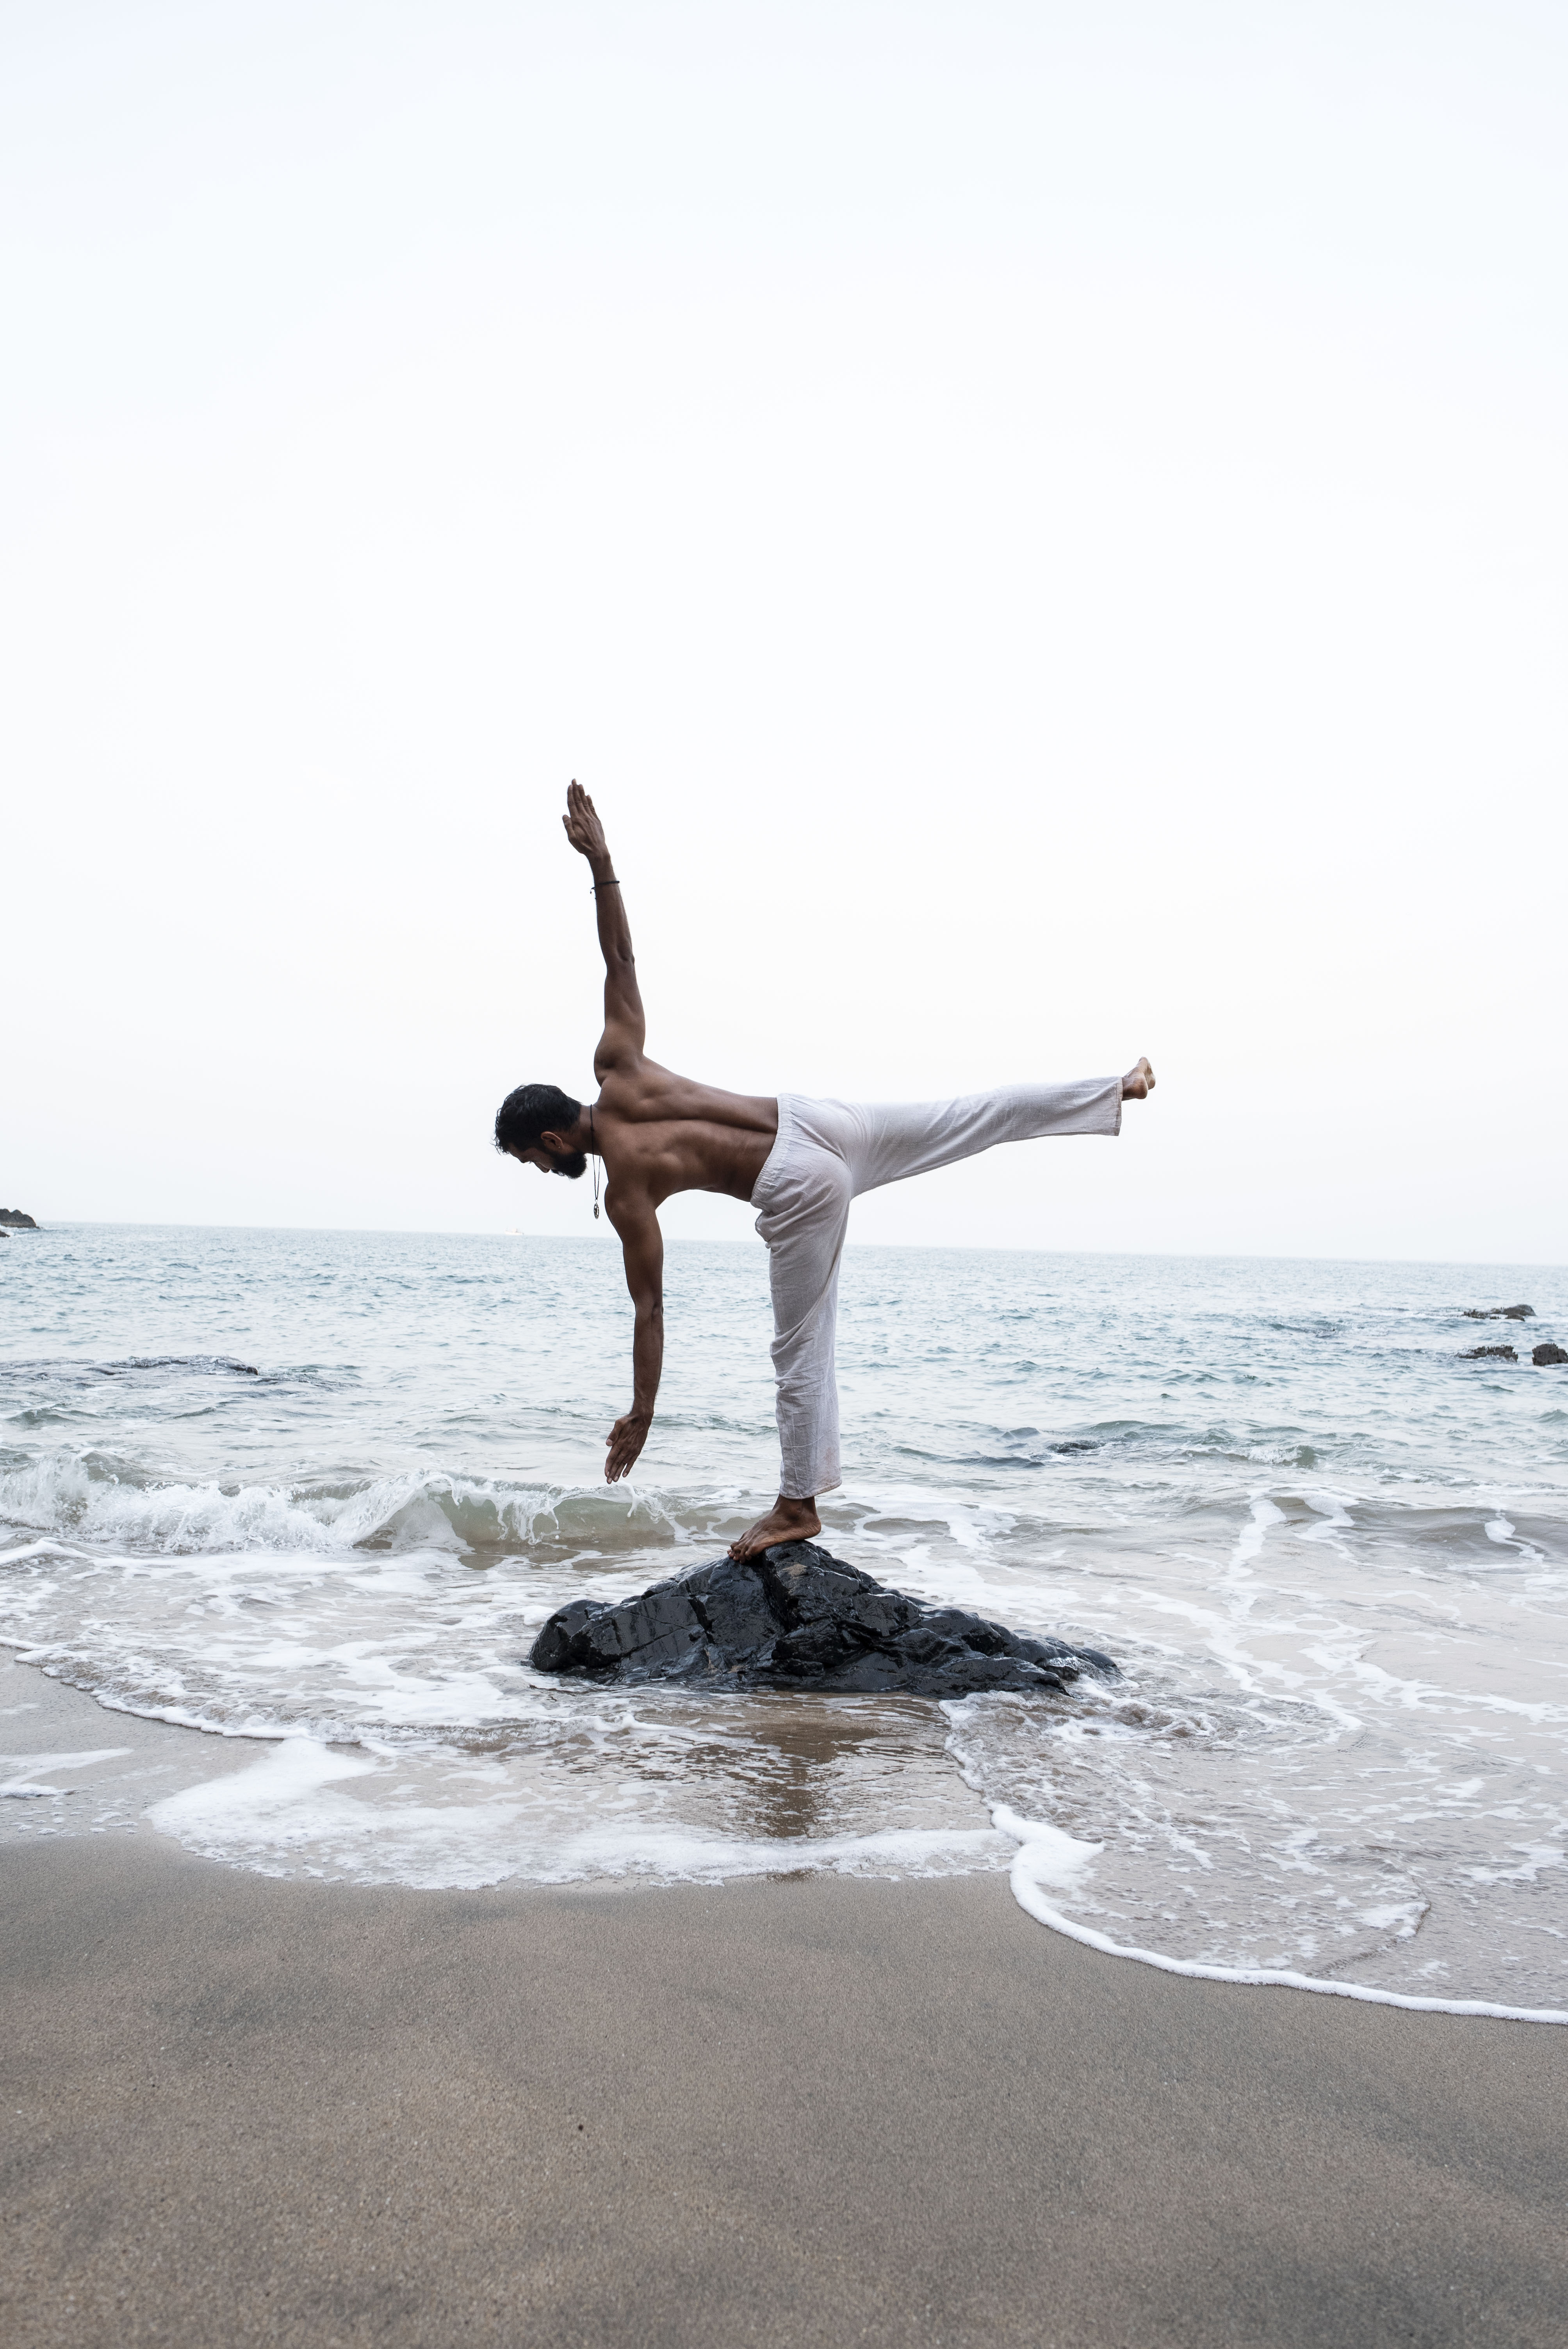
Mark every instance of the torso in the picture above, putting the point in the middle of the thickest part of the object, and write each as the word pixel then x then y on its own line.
pixel 659 1134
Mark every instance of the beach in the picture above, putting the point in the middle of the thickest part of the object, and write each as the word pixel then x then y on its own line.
pixel 803 2109
pixel 367 1984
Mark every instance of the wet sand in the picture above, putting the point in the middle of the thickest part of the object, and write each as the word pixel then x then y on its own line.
pixel 809 2110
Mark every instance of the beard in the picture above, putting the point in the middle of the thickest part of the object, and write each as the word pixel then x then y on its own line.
pixel 571 1166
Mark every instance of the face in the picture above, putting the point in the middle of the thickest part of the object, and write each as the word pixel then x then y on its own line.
pixel 570 1163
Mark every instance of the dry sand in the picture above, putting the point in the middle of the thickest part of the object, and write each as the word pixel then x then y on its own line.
pixel 811 2110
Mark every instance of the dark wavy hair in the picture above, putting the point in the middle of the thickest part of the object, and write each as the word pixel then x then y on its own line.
pixel 530 1111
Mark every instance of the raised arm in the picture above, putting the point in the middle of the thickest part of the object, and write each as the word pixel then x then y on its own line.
pixel 621 1045
pixel 643 1245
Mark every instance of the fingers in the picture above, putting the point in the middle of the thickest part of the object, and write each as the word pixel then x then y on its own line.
pixel 581 822
pixel 624 1452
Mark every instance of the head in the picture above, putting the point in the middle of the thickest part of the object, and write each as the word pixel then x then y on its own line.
pixel 537 1125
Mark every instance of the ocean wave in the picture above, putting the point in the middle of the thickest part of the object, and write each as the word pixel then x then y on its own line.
pixel 73 1371
pixel 105 1504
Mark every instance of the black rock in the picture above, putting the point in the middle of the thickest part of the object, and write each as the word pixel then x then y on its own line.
pixel 1500 1313
pixel 1544 1356
pixel 18 1220
pixel 1489 1355
pixel 796 1617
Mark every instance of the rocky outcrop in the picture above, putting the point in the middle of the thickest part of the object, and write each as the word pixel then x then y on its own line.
pixel 1544 1356
pixel 18 1220
pixel 1500 1312
pixel 1489 1355
pixel 796 1618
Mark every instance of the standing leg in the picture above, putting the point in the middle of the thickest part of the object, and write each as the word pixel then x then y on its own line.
pixel 805 1202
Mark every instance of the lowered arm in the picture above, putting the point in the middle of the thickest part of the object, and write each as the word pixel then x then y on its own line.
pixel 642 1246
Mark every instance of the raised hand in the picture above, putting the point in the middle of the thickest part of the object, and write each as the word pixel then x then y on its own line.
pixel 583 826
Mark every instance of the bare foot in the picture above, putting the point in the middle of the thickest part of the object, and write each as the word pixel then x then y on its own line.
pixel 1139 1082
pixel 786 1521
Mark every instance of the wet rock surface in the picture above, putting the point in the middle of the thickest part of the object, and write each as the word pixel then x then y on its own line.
pixel 1490 1354
pixel 1500 1312
pixel 1544 1356
pixel 796 1618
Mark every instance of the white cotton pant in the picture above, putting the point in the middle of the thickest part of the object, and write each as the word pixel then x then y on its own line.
pixel 826 1154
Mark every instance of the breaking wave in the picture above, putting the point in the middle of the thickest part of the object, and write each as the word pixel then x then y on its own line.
pixel 106 1504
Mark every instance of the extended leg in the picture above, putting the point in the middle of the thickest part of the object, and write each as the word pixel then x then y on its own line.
pixel 894 1140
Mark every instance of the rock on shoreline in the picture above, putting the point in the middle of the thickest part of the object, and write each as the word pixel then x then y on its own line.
pixel 17 1221
pixel 796 1618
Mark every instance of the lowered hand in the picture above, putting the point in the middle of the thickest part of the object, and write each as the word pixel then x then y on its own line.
pixel 625 1440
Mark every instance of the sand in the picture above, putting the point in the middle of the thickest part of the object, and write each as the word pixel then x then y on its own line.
pixel 811 2110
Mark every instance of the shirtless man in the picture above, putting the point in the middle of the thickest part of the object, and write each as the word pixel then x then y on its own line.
pixel 801 1162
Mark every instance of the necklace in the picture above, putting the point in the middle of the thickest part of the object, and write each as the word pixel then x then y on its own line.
pixel 593 1151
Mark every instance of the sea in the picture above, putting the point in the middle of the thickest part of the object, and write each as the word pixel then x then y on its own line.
pixel 318 1491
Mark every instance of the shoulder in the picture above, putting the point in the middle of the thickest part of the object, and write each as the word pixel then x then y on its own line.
pixel 632 1088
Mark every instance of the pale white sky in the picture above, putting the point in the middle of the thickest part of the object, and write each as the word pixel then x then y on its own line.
pixel 1042 526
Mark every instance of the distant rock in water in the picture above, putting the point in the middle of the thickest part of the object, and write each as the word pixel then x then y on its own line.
pixel 796 1617
pixel 18 1220
pixel 1500 1312
pixel 1489 1355
pixel 1544 1356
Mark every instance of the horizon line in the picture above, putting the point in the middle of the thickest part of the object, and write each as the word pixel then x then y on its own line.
pixel 973 1247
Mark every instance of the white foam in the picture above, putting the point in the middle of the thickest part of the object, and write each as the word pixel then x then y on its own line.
pixel 36 1766
pixel 61 1495
pixel 435 1821
pixel 1040 1860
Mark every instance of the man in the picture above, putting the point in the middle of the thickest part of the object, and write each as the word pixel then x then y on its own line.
pixel 801 1162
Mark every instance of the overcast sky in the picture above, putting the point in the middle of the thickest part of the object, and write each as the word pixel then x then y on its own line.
pixel 1042 527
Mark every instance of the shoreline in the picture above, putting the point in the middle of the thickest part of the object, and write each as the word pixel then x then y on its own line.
pixel 803 2109
pixel 169 1756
